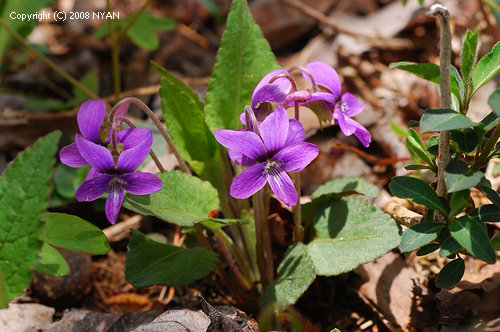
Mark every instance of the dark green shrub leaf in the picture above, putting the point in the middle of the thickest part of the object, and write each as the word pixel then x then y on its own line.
pixel 469 54
pixel 491 194
pixel 451 273
pixel 459 201
pixel 184 200
pixel 415 144
pixel 52 263
pixel 427 71
pixel 153 263
pixel 488 212
pixel 349 231
pixel 494 102
pixel 495 242
pixel 72 232
pixel 345 186
pixel 295 274
pixel 433 146
pixel 487 67
pixel 243 59
pixel 472 236
pixel 416 190
pixel 467 140
pixel 457 177
pixel 419 235
pixel 24 190
pixel 449 247
pixel 444 119
pixel 427 249
pixel 417 167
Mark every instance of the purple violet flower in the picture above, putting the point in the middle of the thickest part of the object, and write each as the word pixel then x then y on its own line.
pixel 90 119
pixel 279 148
pixel 114 177
pixel 347 107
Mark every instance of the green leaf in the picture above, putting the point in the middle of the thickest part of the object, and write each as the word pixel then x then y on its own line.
pixel 24 191
pixel 488 123
pixel 427 71
pixel 419 235
pixel 459 201
pixel 68 179
pixel 427 249
pixel 4 303
pixel 488 212
pixel 487 67
pixel 417 191
pixel 184 200
pixel 295 274
pixel 186 123
pixel 491 194
pixel 398 130
pixel 152 263
pixel 415 167
pixel 72 232
pixel 469 54
pixel 143 31
pixel 52 263
pixel 495 242
pixel 415 144
pixel 433 146
pixel 91 81
pixel 345 239
pixel 449 247
pixel 444 119
pixel 345 186
pixel 494 102
pixel 451 273
pixel 243 59
pixel 457 176
pixel 467 140
pixel 472 236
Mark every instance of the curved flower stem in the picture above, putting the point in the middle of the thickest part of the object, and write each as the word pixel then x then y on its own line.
pixel 151 153
pixel 298 233
pixel 184 167
pixel 308 73
pixel 48 62
pixel 444 71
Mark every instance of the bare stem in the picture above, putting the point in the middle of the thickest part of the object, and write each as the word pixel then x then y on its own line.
pixel 132 21
pixel 298 230
pixel 444 71
pixel 115 55
pixel 48 62
pixel 263 238
pixel 159 125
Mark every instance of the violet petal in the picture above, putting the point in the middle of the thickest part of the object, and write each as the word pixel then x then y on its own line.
pixel 96 155
pixel 347 128
pixel 274 129
pixel 245 142
pixel 296 157
pixel 296 133
pixel 71 156
pixel 90 118
pixel 92 174
pixel 283 188
pixel 116 193
pixel 283 83
pixel 248 182
pixel 268 93
pixel 131 137
pixel 132 158
pixel 140 183
pixel 94 188
pixel 360 132
pixel 325 96
pixel 325 76
pixel 352 104
pixel 240 159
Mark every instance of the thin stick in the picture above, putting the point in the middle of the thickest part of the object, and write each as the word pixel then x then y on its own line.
pixel 298 230
pixel 48 62
pixel 115 56
pixel 159 125
pixel 444 71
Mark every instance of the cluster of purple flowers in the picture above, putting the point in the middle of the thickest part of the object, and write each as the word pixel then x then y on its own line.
pixel 272 144
pixel 113 170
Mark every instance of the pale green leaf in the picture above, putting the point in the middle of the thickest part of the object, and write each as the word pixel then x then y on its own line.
pixel 350 231
pixel 52 263
pixel 24 190
pixel 295 274
pixel 184 200
pixel 345 186
pixel 487 67
pixel 72 232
